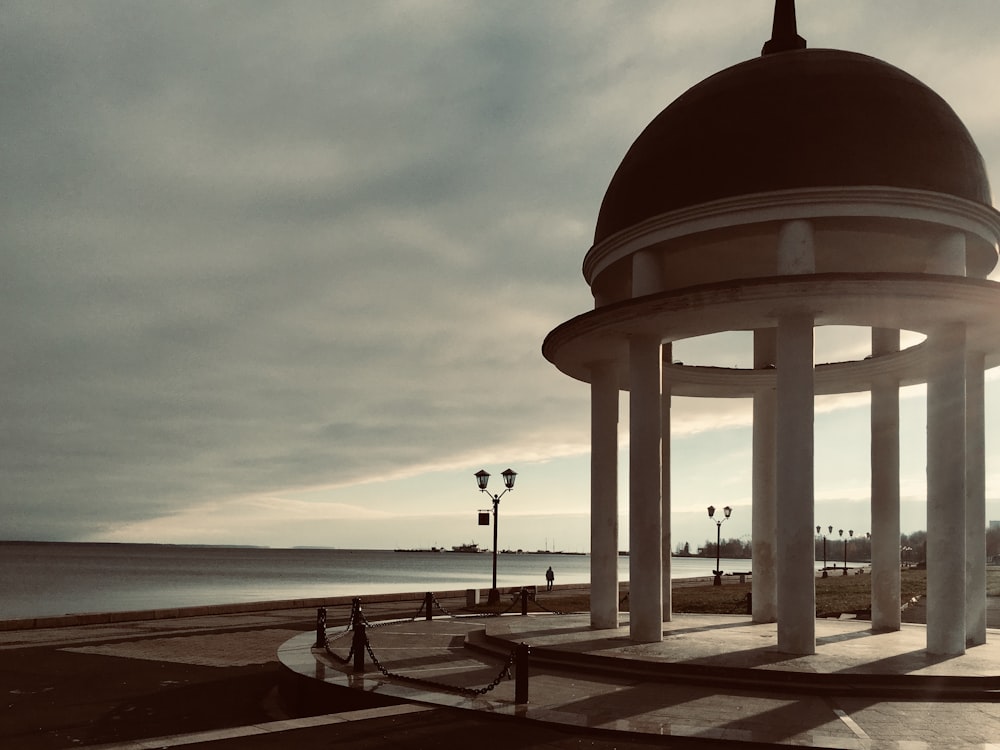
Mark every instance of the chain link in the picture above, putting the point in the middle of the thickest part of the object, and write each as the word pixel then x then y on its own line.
pixel 342 660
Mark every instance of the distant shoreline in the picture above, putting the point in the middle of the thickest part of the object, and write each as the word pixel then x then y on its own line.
pixel 145 615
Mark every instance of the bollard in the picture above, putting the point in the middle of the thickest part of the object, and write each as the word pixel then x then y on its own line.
pixel 522 652
pixel 749 602
pixel 320 627
pixel 358 644
pixel 524 601
pixel 428 605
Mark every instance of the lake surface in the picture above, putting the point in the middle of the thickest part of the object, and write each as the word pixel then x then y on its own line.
pixel 42 579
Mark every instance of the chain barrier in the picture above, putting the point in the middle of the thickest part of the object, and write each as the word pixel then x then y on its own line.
pixel 357 615
pixel 440 606
pixel 516 600
pixel 430 601
pixel 385 623
pixel 358 625
pixel 552 611
pixel 472 692
pixel 324 641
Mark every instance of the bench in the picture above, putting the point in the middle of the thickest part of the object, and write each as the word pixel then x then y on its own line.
pixel 743 576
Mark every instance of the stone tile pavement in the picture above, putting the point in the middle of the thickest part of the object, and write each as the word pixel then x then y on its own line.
pixel 573 709
pixel 680 706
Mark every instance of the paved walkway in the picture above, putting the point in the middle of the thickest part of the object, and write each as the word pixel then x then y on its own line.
pixel 628 697
pixel 188 682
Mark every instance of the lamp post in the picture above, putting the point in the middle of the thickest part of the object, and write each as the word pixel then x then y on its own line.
pixel 819 530
pixel 851 532
pixel 727 511
pixel 482 478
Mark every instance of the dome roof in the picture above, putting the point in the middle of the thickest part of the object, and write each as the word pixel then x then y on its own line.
pixel 795 119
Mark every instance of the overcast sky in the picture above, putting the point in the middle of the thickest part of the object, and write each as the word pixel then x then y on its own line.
pixel 279 273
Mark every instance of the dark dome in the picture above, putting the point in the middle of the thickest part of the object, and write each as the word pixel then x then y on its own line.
pixel 805 118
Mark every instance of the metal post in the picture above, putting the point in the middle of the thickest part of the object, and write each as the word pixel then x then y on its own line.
pixel 358 644
pixel 320 628
pixel 521 656
pixel 824 555
pixel 718 554
pixel 482 478
pixel 524 601
pixel 428 606
pixel 845 555
pixel 494 595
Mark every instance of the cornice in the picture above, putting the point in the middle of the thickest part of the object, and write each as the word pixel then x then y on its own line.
pixel 787 205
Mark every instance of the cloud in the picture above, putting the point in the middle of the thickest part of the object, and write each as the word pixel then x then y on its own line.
pixel 254 250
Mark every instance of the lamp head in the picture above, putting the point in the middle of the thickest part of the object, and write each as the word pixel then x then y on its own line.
pixel 508 478
pixel 728 511
pixel 711 511
pixel 482 479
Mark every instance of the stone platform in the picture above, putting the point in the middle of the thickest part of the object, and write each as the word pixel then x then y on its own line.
pixel 712 677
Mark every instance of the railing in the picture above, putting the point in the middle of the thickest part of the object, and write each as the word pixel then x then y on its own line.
pixel 359 625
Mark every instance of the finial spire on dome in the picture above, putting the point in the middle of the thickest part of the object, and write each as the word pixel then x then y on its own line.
pixel 784 35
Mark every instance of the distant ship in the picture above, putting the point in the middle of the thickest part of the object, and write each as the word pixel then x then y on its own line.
pixel 421 549
pixel 470 547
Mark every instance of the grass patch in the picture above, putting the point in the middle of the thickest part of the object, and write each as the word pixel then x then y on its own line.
pixel 835 594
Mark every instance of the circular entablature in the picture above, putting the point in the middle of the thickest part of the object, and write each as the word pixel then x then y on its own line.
pixel 913 302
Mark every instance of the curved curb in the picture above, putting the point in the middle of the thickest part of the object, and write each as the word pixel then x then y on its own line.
pixel 928 687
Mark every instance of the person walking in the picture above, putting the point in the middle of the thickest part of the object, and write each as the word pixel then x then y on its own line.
pixel 549 578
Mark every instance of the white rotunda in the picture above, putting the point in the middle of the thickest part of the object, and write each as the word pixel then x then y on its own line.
pixel 803 188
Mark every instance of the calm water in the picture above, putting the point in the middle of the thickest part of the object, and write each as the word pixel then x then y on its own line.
pixel 40 579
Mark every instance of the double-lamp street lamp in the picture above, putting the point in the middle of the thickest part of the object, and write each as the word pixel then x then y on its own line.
pixel 819 530
pixel 727 511
pixel 851 532
pixel 482 478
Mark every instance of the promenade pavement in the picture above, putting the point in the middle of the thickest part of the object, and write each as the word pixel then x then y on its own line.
pixel 210 682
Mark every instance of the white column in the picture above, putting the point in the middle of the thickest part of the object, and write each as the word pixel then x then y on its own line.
pixel 666 353
pixel 604 496
pixel 946 486
pixel 796 581
pixel 975 508
pixel 764 511
pixel 645 552
pixel 885 490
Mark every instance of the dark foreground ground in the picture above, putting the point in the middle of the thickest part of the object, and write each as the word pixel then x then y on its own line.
pixel 57 695
pixel 115 683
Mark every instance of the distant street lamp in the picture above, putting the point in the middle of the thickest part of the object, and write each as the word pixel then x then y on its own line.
pixel 851 532
pixel 819 530
pixel 718 540
pixel 482 478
